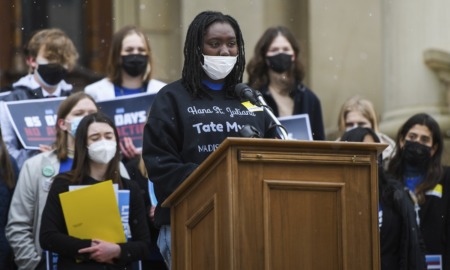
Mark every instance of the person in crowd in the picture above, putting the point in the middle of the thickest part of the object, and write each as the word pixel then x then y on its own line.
pixel 190 117
pixel 360 112
pixel 277 72
pixel 401 245
pixel 35 179
pixel 136 170
pixel 8 178
pixel 417 164
pixel 30 51
pixel 129 72
pixel 96 159
pixel 56 56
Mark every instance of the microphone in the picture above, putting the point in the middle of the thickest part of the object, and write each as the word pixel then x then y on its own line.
pixel 248 131
pixel 244 91
pixel 260 98
pixel 256 98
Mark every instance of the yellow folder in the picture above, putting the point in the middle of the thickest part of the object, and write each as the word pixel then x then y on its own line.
pixel 92 213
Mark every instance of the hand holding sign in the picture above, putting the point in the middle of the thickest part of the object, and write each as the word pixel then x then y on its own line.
pixel 45 148
pixel 130 115
pixel 128 149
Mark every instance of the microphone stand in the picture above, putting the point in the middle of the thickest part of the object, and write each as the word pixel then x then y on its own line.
pixel 282 130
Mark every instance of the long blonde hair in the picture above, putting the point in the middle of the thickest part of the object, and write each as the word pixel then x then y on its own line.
pixel 362 105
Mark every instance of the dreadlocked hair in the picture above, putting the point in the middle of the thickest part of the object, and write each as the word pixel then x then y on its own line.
pixel 193 59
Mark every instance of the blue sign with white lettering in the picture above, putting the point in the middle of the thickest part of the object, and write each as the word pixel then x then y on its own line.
pixel 298 127
pixel 129 113
pixel 34 120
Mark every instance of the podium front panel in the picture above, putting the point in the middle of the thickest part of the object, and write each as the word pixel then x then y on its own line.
pixel 273 207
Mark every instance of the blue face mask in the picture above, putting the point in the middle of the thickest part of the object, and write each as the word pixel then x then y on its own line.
pixel 74 124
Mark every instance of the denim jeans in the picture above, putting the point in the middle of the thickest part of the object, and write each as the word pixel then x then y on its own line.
pixel 164 245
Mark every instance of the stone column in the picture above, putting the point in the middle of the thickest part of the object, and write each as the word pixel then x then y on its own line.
pixel 345 52
pixel 410 85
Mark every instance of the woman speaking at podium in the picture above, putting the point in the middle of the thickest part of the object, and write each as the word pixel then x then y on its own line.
pixel 190 117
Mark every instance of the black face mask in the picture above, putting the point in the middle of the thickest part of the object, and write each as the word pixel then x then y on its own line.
pixel 134 64
pixel 280 62
pixel 51 74
pixel 416 154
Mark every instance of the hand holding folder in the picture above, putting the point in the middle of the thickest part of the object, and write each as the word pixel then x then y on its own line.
pixel 92 213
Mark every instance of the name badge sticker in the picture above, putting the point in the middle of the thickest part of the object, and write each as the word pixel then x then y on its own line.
pixel 251 107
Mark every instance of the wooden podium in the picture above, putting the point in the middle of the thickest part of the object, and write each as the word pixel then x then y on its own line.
pixel 270 204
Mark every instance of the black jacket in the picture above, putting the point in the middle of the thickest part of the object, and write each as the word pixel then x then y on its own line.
pixel 401 243
pixel 305 102
pixel 54 235
pixel 434 220
pixel 6 254
pixel 182 131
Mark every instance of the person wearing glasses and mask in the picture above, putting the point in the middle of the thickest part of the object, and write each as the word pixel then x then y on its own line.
pixel 190 117
pixel 277 72
pixel 56 56
pixel 129 71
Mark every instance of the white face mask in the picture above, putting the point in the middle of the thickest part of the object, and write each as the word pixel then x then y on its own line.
pixel 102 151
pixel 218 67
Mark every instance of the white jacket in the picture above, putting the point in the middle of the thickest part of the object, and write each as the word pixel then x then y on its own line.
pixel 104 89
pixel 29 81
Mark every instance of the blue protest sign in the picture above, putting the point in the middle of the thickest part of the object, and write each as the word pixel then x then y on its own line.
pixel 297 126
pixel 129 113
pixel 34 120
